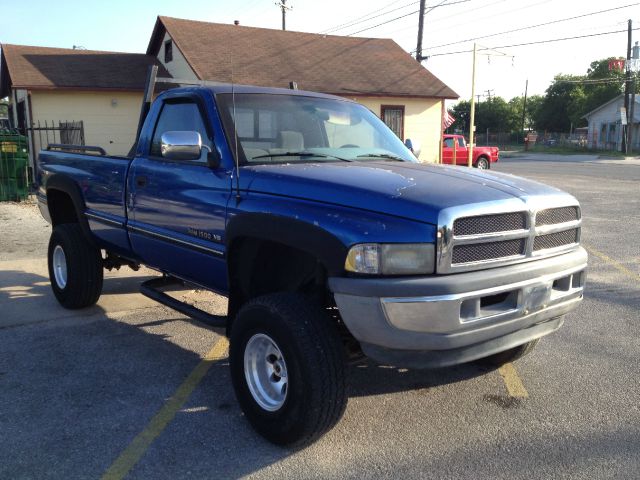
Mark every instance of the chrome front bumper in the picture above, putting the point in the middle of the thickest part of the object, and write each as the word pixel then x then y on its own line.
pixel 452 316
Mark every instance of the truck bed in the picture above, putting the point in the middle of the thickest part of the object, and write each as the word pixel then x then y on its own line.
pixel 101 186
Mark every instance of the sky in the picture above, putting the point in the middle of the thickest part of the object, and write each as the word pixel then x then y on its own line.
pixel 502 67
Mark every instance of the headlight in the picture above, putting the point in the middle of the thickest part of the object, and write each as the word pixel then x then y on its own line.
pixel 391 258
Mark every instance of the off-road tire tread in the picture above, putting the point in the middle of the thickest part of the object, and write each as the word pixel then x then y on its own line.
pixel 317 339
pixel 84 267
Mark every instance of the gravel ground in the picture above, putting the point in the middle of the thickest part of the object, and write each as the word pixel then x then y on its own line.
pixel 24 233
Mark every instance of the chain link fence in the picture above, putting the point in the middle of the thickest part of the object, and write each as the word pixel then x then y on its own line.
pixel 580 140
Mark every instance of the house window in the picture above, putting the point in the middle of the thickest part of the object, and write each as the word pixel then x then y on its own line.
pixel 393 116
pixel 168 51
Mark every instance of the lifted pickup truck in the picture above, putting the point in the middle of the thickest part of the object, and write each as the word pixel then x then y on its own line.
pixel 456 152
pixel 327 237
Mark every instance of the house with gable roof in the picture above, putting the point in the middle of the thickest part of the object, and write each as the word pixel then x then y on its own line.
pixel 375 72
pixel 54 90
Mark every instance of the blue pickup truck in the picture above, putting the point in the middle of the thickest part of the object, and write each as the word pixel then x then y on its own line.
pixel 329 239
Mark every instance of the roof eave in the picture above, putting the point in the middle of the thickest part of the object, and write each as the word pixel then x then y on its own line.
pixel 586 115
pixel 77 88
pixel 156 37
pixel 390 94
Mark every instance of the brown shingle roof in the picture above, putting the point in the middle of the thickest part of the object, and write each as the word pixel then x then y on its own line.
pixel 273 58
pixel 48 68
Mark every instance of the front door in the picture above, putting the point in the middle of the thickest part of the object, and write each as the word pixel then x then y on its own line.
pixel 177 208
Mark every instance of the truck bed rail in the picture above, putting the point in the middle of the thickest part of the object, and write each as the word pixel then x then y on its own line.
pixel 76 148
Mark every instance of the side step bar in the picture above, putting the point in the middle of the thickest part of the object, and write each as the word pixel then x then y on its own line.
pixel 150 289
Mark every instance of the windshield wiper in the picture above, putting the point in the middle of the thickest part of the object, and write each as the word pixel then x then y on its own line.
pixel 383 155
pixel 300 154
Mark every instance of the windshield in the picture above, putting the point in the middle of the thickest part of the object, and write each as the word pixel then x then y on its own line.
pixel 294 128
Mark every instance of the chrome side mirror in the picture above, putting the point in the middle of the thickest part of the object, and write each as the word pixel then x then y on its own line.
pixel 178 145
pixel 413 146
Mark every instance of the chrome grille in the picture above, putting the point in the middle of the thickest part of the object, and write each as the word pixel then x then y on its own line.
pixel 552 216
pixel 482 224
pixel 479 252
pixel 503 234
pixel 554 240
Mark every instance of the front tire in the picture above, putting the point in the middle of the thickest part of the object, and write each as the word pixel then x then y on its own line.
pixel 75 267
pixel 483 164
pixel 288 369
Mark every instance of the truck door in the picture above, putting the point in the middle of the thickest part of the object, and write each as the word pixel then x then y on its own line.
pixel 462 152
pixel 447 150
pixel 177 208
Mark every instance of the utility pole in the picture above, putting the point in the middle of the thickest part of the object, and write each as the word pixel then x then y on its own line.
pixel 627 90
pixel 283 6
pixel 489 92
pixel 472 115
pixel 524 107
pixel 419 56
pixel 636 57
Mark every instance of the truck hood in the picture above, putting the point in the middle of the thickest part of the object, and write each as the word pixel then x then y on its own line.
pixel 410 190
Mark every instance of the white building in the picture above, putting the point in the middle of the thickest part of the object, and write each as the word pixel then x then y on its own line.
pixel 605 125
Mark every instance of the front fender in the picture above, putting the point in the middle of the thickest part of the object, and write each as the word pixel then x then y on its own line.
pixel 324 230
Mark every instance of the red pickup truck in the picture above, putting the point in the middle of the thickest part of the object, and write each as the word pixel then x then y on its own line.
pixel 455 147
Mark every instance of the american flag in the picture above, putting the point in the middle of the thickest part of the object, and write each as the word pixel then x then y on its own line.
pixel 447 120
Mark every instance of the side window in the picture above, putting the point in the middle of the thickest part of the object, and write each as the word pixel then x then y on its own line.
pixel 181 117
pixel 448 142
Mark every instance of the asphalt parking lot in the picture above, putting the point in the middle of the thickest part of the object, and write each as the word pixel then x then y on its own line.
pixel 131 388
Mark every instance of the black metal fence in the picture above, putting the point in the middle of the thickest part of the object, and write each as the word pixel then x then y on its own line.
pixel 66 132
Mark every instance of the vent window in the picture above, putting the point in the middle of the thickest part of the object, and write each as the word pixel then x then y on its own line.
pixel 168 51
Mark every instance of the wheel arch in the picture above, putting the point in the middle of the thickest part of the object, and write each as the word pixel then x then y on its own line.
pixel 65 204
pixel 258 244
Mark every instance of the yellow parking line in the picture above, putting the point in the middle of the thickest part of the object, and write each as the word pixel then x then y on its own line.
pixel 512 381
pixel 137 448
pixel 618 266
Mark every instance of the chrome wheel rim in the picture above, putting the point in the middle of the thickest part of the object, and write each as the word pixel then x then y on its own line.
pixel 265 371
pixel 482 165
pixel 60 267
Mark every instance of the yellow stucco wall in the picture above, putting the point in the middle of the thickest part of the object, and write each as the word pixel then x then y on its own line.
pixel 110 118
pixel 422 121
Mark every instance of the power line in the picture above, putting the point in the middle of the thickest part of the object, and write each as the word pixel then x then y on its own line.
pixel 493 15
pixel 367 17
pixel 538 25
pixel 592 81
pixel 535 43
pixel 408 14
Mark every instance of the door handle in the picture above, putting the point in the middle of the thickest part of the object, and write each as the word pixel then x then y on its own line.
pixel 141 181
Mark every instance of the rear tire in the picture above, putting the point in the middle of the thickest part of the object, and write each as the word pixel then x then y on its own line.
pixel 511 355
pixel 75 267
pixel 288 368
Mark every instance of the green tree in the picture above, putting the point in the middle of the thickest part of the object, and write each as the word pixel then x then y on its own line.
pixel 460 112
pixel 570 97
pixel 534 104
pixel 496 115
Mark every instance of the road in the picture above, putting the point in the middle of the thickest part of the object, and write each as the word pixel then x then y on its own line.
pixel 130 388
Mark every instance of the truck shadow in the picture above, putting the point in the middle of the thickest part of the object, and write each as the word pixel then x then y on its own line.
pixel 369 378
pixel 76 387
